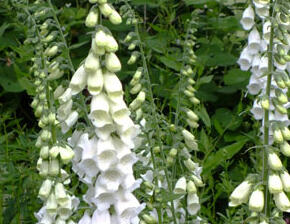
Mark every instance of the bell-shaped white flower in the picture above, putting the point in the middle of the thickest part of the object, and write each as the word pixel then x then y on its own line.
pixel 92 63
pixel 101 217
pixel 257 111
pixel 99 114
pixel 256 201
pixel 66 154
pixel 240 194
pixel 248 18
pixel 51 204
pixel 180 186
pixel 95 82
pixel 69 121
pixel 106 9
pixel 53 168
pixel 285 148
pixel 105 131
pixel 263 68
pixel 115 18
pixel 45 189
pixel 112 62
pixel 193 205
pixel 113 87
pixel 254 41
pixel 66 96
pixel 275 184
pixel 120 112
pixel 254 86
pixel 274 161
pixel 104 198
pixel 282 202
pixel 64 110
pixel 60 194
pixel 106 155
pixel 86 219
pixel 267 30
pixel 245 60
pixel 285 178
pixel 111 178
pixel 262 12
pixel 191 188
pixel 78 81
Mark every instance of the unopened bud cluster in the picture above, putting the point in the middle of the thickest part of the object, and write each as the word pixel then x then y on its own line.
pixel 272 38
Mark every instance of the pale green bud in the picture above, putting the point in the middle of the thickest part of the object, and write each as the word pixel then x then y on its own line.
pixel 133 45
pixel 169 161
pixel 282 202
pixel 54 151
pixel 149 219
pixel 115 18
pixel 139 114
pixel 274 161
pixel 112 62
pixel 34 103
pixel 45 135
pixel 44 152
pixel 45 189
pixel 92 63
pixel 256 202
pixel 66 154
pixel 285 178
pixel 192 123
pixel 112 45
pixel 191 81
pixel 275 184
pixel 129 36
pixel 198 182
pixel 278 136
pixel 191 115
pixel 133 58
pixel 265 103
pixel 136 89
pixel 285 133
pixel 52 51
pixel 101 38
pixel 54 167
pixel 190 165
pixel 285 148
pixel 106 9
pixel 191 188
pixel 189 140
pixel 194 100
pixel 156 149
pixel 92 18
pixel 173 152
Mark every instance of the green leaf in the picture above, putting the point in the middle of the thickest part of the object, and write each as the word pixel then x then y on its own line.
pixel 198 2
pixel 169 196
pixel 170 62
pixel 8 80
pixel 204 80
pixel 225 153
pixel 204 116
pixel 237 77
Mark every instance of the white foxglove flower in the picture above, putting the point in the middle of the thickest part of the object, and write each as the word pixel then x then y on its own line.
pixel 101 217
pixel 257 111
pixel 66 154
pixel 275 184
pixel 60 195
pixel 45 189
pixel 267 31
pixel 51 204
pixel 64 110
pixel 113 87
pixel 66 96
pixel 106 155
pixel 282 201
pixel 53 168
pixel 99 114
pixel 78 81
pixel 92 63
pixel 180 186
pixel 240 194
pixel 245 59
pixel 69 121
pixel 248 18
pixel 274 161
pixel 256 201
pixel 193 205
pixel 263 12
pixel 98 50
pixel 112 62
pixel 254 86
pixel 112 178
pixel 120 112
pixel 95 82
pixel 263 68
pixel 191 188
pixel 254 41
pixel 86 219
pixel 285 178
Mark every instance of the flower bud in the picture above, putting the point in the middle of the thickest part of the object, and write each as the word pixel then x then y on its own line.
pixel 240 194
pixel 173 152
pixel 188 93
pixel 139 114
pixel 115 18
pixel 191 81
pixel 45 189
pixel 54 151
pixel 285 178
pixel 95 82
pixel 149 219
pixel 194 100
pixel 101 38
pixel 285 133
pixel 197 180
pixel 112 62
pixel 92 18
pixel 52 51
pixel 92 63
pixel 136 89
pixel 191 188
pixel 190 165
pixel 106 9
pixel 34 103
pixel 58 91
pixel 282 201
pixel 189 140
pixel 129 36
pixel 282 97
pixel 169 161
pixel 112 45
pixel 43 168
pixel 256 202
pixel 45 135
pixel 265 103
pixel 278 136
pixel 66 154
pixel 180 186
pixel 156 149
pixel 274 161
pixel 133 58
pixel 275 184
pixel 192 123
pixel 66 96
pixel 44 152
pixel 285 148
pixel 191 115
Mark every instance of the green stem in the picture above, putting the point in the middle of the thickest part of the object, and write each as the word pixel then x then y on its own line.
pixel 66 50
pixel 155 119
pixel 267 208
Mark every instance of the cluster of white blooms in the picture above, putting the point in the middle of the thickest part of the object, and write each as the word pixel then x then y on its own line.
pixel 255 57
pixel 59 203
pixel 104 159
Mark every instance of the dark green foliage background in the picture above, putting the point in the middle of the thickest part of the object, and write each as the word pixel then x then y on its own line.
pixel 226 129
